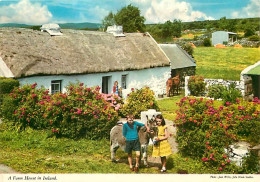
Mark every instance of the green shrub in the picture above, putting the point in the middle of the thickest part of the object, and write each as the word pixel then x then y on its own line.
pixel 204 131
pixel 230 94
pixel 216 91
pixel 206 42
pixel 7 85
pixel 139 100
pixel 250 163
pixel 225 43
pixel 188 48
pixel 196 85
pixel 254 38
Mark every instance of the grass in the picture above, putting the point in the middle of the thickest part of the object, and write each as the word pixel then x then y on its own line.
pixel 224 63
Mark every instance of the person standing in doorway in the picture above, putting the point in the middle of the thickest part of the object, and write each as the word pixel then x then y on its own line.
pixel 115 88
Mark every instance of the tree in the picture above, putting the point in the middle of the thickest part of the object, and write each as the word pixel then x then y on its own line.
pixel 108 20
pixel 129 17
pixel 170 29
pixel 177 27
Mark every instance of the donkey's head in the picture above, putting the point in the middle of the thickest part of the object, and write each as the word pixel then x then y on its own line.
pixel 151 123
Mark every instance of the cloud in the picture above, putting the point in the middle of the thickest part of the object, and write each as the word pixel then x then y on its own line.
pixel 25 12
pixel 251 10
pixel 160 11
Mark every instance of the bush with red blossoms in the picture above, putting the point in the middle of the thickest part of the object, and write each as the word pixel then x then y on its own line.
pixel 204 131
pixel 23 106
pixel 81 112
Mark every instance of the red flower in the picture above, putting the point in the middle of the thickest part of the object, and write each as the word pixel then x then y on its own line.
pixel 151 103
pixel 220 168
pixel 224 156
pixel 228 161
pixel 34 85
pixel 81 84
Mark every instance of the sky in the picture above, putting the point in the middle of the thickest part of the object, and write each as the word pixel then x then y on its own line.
pixel 37 12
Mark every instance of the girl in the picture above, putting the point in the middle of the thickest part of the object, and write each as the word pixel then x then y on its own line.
pixel 163 148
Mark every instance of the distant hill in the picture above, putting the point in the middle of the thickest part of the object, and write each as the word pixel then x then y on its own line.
pixel 85 25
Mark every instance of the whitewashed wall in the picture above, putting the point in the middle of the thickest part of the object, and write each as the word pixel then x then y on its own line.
pixel 155 78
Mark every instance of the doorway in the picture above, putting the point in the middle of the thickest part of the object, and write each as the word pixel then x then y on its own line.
pixel 106 84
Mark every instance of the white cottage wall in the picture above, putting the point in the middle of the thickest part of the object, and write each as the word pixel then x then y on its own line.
pixel 155 78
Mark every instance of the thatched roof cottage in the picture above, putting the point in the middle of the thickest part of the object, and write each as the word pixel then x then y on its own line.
pixel 94 58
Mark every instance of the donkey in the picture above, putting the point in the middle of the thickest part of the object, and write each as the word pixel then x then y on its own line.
pixel 118 141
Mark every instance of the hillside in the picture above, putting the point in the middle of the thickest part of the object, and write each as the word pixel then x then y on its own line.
pixel 85 25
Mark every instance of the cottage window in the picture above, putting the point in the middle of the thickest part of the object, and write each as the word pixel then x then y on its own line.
pixel 123 81
pixel 55 86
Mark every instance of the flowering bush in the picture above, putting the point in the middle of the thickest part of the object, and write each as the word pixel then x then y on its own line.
pixel 196 85
pixel 23 106
pixel 204 131
pixel 81 112
pixel 139 100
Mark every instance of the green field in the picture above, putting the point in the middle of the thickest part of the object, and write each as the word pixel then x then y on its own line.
pixel 226 63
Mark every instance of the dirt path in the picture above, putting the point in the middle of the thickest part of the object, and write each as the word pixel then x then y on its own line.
pixel 6 169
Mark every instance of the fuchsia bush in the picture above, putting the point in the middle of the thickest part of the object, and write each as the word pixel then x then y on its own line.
pixel 204 131
pixel 81 112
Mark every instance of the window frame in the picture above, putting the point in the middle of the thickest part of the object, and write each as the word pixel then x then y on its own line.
pixel 54 83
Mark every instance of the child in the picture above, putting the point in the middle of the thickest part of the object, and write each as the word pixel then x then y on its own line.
pixel 162 148
pixel 130 132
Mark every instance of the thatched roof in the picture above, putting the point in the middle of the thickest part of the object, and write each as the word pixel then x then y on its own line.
pixel 28 52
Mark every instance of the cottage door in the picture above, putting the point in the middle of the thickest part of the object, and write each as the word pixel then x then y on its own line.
pixel 106 84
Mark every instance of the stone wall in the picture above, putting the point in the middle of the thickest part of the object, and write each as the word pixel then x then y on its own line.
pixel 244 85
pixel 209 82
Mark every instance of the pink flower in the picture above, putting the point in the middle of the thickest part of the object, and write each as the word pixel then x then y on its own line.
pixel 207 143
pixel 15 111
pixel 132 89
pixel 238 101
pixel 151 104
pixel 81 84
pixel 34 85
pixel 220 168
pixel 228 103
pixel 228 161
pixel 79 111
pixel 89 103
